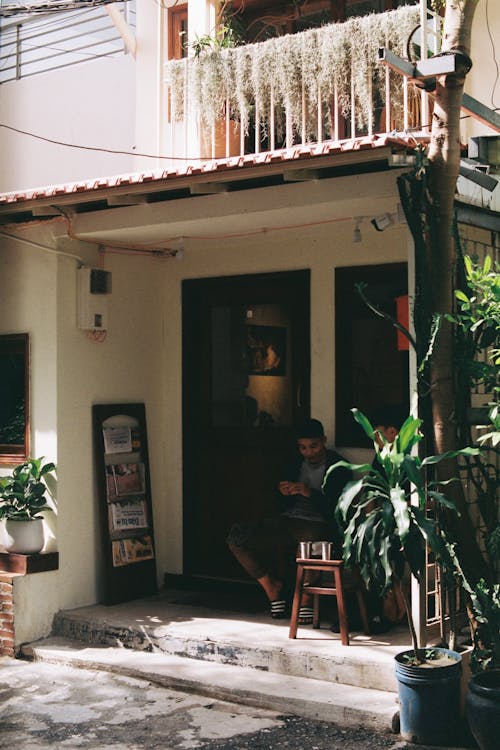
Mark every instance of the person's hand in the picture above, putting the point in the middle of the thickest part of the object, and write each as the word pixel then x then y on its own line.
pixel 294 488
pixel 300 488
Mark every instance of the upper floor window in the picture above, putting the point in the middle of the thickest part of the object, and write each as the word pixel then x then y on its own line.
pixel 177 32
pixel 256 20
pixel 14 397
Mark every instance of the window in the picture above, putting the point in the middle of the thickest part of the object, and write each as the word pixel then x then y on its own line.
pixel 371 368
pixel 14 397
pixel 177 32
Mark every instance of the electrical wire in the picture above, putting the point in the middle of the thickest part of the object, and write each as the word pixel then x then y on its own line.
pixel 39 245
pixel 100 148
pixel 492 99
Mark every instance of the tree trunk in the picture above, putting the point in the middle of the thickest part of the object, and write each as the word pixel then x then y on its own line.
pixel 444 164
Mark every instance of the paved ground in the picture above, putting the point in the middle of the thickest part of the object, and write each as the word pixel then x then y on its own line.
pixel 48 706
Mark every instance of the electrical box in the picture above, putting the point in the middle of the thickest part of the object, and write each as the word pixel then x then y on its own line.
pixel 93 286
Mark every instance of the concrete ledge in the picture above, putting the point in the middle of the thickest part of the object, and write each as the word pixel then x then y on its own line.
pixel 301 696
pixel 244 641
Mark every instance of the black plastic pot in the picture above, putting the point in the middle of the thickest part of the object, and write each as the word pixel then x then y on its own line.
pixel 429 699
pixel 483 709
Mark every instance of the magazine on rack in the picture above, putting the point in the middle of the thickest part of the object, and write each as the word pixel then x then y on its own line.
pixel 123 480
pixel 137 549
pixel 128 514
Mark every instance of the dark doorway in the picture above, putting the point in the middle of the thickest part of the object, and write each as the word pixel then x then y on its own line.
pixel 371 367
pixel 246 372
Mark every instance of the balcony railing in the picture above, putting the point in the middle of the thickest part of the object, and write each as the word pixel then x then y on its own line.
pixel 34 44
pixel 324 83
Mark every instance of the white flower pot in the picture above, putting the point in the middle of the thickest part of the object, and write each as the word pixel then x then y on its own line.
pixel 24 537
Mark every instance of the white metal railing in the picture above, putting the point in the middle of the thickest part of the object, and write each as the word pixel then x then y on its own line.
pixel 34 44
pixel 315 85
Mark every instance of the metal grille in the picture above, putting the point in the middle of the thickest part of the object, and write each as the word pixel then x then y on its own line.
pixel 35 44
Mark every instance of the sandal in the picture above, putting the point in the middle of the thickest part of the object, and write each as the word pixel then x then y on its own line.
pixel 306 616
pixel 278 609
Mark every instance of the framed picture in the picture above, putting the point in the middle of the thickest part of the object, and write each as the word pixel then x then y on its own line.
pixel 266 350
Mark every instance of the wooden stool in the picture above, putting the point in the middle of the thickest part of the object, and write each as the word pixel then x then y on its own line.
pixel 335 568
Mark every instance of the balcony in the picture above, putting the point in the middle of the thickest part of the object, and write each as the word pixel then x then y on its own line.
pixel 310 87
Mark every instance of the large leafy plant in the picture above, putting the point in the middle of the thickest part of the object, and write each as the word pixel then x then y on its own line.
pixel 477 319
pixel 23 494
pixel 387 513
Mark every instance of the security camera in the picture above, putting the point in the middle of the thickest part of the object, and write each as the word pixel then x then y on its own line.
pixel 382 222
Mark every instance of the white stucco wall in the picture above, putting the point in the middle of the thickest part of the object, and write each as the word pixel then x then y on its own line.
pixel 482 82
pixel 69 373
pixel 91 105
pixel 141 360
pixel 28 304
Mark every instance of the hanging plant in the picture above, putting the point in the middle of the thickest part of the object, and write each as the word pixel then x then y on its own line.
pixel 321 59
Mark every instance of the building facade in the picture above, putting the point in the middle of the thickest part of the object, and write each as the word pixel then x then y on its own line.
pixel 246 209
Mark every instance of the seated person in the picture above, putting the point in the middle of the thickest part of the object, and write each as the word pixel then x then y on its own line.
pixel 267 549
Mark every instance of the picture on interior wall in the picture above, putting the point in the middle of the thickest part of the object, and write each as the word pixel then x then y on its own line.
pixel 266 350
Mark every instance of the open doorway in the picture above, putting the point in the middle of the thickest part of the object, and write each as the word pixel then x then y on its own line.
pixel 246 372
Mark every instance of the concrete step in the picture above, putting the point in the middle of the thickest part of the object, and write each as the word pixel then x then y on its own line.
pixel 310 698
pixel 168 625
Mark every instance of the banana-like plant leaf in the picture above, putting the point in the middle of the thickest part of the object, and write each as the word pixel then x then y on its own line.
pixel 47 469
pixel 401 515
pixel 441 498
pixel 384 559
pixel 349 494
pixel 364 422
pixel 409 434
pixel 387 513
pixel 429 460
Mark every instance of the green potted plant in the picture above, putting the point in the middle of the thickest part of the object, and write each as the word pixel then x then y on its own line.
pixel 477 321
pixel 483 696
pixel 23 496
pixel 385 534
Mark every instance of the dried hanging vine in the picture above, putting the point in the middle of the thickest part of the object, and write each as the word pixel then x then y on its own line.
pixel 319 59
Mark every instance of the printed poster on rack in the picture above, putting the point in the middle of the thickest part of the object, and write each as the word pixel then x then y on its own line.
pixel 123 480
pixel 137 549
pixel 117 439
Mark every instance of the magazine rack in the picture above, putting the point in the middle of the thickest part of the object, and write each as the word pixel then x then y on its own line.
pixel 124 492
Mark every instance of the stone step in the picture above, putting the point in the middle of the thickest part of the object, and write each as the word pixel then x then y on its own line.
pixel 320 699
pixel 242 640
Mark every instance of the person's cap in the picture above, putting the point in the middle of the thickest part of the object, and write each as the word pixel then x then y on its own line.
pixel 310 428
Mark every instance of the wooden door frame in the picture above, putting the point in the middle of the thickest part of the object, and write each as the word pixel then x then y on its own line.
pixel 194 295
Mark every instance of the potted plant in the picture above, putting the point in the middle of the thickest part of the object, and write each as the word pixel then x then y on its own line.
pixel 23 496
pixel 477 321
pixel 483 697
pixel 207 57
pixel 385 533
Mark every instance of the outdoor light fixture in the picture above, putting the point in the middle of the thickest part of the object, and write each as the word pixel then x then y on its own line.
pixel 382 222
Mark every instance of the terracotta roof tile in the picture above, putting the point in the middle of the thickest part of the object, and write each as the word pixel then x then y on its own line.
pixel 244 162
